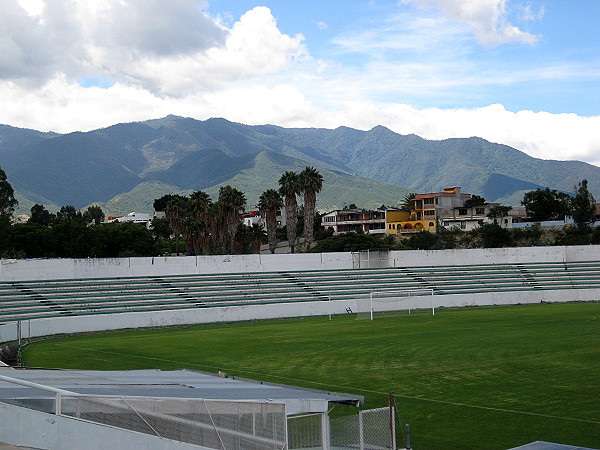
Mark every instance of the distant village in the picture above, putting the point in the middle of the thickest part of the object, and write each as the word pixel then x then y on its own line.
pixel 450 208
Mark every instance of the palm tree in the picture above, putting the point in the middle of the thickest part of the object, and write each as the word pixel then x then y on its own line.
pixel 268 204
pixel 257 236
pixel 176 211
pixel 289 187
pixel 231 206
pixel 311 182
pixel 409 201
pixel 200 208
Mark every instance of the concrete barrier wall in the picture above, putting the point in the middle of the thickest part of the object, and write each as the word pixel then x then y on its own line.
pixel 456 257
pixel 51 269
pixel 60 325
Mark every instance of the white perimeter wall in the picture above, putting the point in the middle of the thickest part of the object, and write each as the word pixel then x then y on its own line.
pixel 85 268
pixel 49 269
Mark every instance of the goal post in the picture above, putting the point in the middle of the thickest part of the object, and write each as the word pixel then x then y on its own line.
pixel 389 300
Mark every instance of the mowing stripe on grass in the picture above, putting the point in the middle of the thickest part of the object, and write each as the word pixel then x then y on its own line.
pixel 340 387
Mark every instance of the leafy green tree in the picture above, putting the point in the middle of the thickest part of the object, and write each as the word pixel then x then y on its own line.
pixel 268 203
pixel 311 182
pixel 68 213
pixel 112 240
pixel 8 202
pixel 41 215
pixel 94 215
pixel 494 236
pixel 546 204
pixel 475 200
pixel 498 211
pixel 160 228
pixel 423 240
pixel 289 188
pixel 231 204
pixel 73 239
pixel 583 205
pixel 160 204
pixel 31 240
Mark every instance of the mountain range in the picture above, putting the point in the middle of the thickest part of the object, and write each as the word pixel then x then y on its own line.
pixel 124 167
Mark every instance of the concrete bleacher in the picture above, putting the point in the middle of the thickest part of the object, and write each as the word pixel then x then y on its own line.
pixel 27 300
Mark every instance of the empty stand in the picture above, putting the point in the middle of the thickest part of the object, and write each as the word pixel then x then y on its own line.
pixel 24 300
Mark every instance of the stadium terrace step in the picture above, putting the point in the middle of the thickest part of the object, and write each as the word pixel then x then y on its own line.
pixel 23 300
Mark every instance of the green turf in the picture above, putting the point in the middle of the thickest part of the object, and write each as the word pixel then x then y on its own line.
pixel 472 378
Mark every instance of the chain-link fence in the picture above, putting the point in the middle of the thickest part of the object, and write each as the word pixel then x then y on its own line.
pixel 371 429
pixel 213 424
pixel 305 431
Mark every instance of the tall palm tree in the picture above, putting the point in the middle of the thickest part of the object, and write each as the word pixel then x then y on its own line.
pixel 231 206
pixel 257 236
pixel 176 211
pixel 200 208
pixel 311 182
pixel 268 204
pixel 289 187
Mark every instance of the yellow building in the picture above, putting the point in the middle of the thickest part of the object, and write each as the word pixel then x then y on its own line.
pixel 427 209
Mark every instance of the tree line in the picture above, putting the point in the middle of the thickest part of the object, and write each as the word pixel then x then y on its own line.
pixel 205 226
pixel 209 227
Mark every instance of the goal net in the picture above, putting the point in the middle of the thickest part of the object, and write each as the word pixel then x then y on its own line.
pixel 386 301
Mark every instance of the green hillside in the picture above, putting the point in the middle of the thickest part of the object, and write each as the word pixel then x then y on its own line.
pixel 119 164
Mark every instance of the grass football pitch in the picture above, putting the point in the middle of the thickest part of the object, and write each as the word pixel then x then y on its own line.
pixel 471 378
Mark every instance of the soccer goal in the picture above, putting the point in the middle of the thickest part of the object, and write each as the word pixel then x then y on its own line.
pixel 384 301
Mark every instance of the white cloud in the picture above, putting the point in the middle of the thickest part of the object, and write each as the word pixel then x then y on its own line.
pixel 253 73
pixel 486 18
pixel 539 134
pixel 321 25
pixel 169 49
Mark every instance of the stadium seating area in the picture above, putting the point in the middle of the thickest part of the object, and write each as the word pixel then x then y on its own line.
pixel 22 300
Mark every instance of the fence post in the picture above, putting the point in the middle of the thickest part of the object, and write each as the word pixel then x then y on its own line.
pixel 361 431
pixel 325 432
pixel 392 421
pixel 58 404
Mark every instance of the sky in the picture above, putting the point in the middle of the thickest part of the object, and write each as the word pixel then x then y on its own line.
pixel 524 73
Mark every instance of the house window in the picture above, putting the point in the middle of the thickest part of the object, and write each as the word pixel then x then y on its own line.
pixel 463 224
pixel 479 210
pixel 428 201
pixel 431 224
pixel 462 212
pixel 429 212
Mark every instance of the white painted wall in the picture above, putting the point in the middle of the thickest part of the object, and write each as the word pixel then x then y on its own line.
pixel 49 269
pixel 34 429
